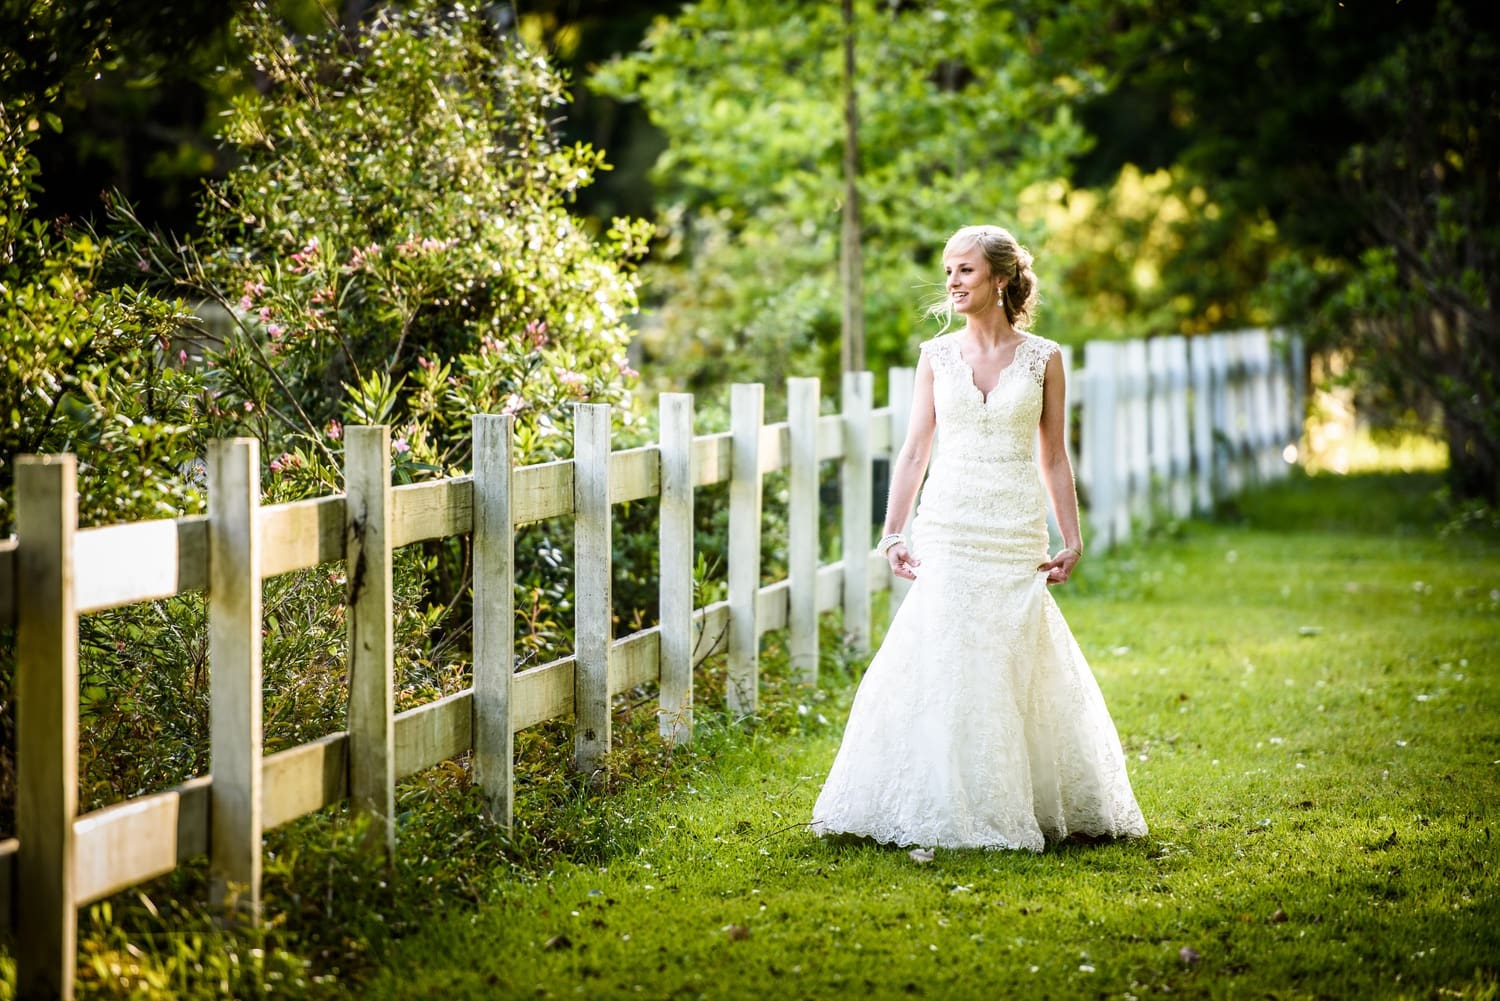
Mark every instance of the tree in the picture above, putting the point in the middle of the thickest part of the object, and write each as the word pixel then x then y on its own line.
pixel 1355 145
pixel 954 124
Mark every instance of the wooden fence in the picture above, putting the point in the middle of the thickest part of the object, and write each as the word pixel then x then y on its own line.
pixel 53 572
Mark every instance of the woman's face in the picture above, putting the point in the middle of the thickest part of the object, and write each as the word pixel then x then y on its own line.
pixel 970 287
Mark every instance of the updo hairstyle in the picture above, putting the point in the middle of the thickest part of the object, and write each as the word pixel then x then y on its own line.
pixel 1009 262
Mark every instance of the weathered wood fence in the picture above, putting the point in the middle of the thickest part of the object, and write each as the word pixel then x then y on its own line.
pixel 1236 392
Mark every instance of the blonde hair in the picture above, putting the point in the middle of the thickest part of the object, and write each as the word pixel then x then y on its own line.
pixel 1008 260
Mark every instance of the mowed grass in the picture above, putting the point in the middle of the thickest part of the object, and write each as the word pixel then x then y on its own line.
pixel 1307 692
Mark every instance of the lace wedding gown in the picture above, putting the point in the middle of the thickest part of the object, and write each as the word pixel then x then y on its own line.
pixel 978 722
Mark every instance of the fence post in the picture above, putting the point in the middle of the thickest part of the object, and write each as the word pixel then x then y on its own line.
pixel 746 412
pixel 1159 442
pixel 1298 352
pixel 593 613
pixel 1200 364
pixel 371 657
pixel 1180 492
pixel 1138 440
pixel 802 396
pixel 494 613
pixel 234 644
pixel 857 399
pixel 1098 440
pixel 46 696
pixel 1281 404
pixel 675 526
pixel 1225 417
pixel 903 385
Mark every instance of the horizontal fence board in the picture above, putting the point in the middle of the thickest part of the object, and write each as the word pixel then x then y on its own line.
pixel 830 437
pixel 301 534
pixel 8 586
pixel 771 605
pixel 775 447
pixel 435 732
pixel 634 473
pixel 435 510
pixel 131 842
pixel 542 491
pixel 9 848
pixel 635 660
pixel 541 693
pixel 713 630
pixel 883 436
pixel 711 458
pixel 121 564
pixel 304 779
pixel 831 586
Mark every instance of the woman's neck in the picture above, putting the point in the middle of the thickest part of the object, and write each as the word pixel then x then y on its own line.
pixel 991 329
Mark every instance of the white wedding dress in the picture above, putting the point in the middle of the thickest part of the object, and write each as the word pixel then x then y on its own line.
pixel 978 723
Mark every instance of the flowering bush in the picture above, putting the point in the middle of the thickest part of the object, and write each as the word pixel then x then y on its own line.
pixel 395 247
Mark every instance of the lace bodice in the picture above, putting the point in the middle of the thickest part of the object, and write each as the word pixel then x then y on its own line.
pixel 1001 425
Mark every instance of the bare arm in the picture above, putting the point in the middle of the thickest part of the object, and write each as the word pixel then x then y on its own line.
pixel 909 467
pixel 1057 471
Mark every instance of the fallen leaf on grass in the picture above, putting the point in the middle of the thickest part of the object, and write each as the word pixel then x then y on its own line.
pixel 1278 917
pixel 737 933
pixel 558 942
pixel 1188 955
pixel 920 855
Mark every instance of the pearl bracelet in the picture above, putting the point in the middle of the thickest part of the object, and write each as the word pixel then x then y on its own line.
pixel 886 542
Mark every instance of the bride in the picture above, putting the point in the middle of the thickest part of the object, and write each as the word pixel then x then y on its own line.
pixel 978 723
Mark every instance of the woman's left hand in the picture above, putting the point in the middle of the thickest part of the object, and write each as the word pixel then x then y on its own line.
pixel 1060 567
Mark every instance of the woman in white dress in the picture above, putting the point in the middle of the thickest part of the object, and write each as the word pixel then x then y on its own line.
pixel 978 723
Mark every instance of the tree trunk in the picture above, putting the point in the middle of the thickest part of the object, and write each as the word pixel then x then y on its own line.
pixel 851 257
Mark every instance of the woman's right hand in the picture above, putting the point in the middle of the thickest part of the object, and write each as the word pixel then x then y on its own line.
pixel 903 563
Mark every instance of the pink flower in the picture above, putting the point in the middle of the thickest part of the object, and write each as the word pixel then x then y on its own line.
pixel 276 465
pixel 182 357
pixel 265 314
pixel 400 446
pixel 334 430
pixel 142 264
pixel 249 407
pixel 427 365
pixel 302 260
pixel 275 331
pixel 361 256
pixel 513 404
pixel 625 369
pixel 246 303
pixel 537 331
pixel 568 377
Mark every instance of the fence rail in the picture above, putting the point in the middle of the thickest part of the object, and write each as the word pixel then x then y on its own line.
pixel 1165 425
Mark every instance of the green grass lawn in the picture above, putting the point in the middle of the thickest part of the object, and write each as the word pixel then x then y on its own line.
pixel 1307 691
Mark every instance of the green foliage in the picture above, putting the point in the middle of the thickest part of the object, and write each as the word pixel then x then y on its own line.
pixel 87 368
pixel 954 124
pixel 395 245
pixel 1416 309
pixel 1150 254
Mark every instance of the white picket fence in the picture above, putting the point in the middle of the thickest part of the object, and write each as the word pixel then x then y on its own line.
pixel 1172 425
pixel 1136 458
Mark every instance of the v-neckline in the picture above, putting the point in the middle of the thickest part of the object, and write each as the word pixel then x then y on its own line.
pixel 984 397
